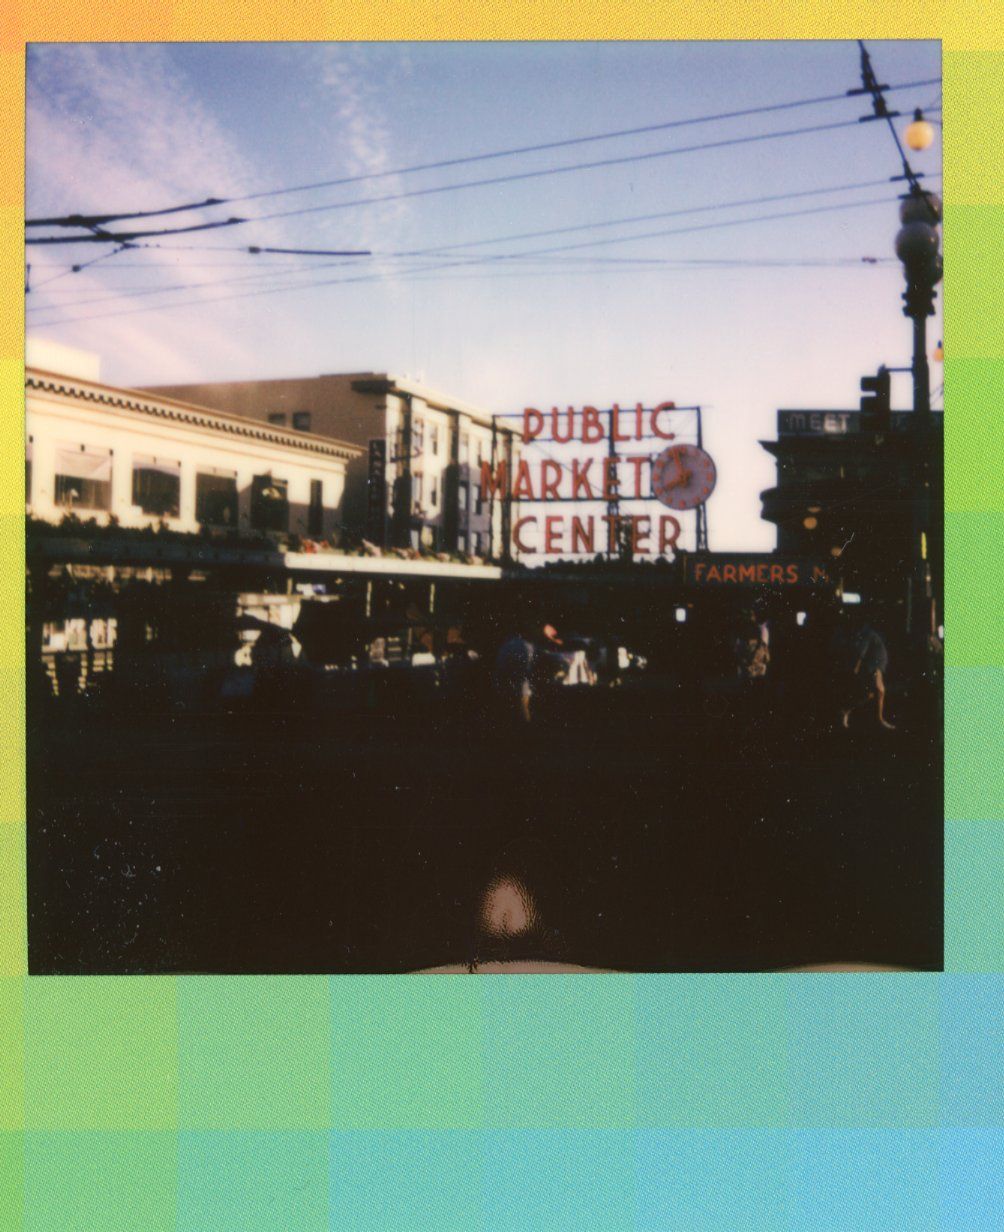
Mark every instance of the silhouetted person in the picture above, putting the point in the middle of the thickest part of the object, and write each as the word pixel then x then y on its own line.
pixel 871 661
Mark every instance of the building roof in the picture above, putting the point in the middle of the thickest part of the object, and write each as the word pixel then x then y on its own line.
pixel 388 383
pixel 188 413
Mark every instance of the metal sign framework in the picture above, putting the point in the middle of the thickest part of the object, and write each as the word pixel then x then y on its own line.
pixel 613 504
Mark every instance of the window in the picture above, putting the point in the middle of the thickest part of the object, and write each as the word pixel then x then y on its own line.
pixel 156 486
pixel 463 448
pixel 434 493
pixel 417 436
pixel 416 489
pixel 477 543
pixel 462 497
pixel 278 418
pixel 464 542
pixel 216 498
pixel 434 439
pixel 83 478
pixel 301 421
pixel 269 503
pixel 315 512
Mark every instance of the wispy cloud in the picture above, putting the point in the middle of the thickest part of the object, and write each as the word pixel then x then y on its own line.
pixel 359 141
pixel 125 127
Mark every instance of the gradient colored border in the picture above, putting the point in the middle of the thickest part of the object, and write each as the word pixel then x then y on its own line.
pixel 806 1102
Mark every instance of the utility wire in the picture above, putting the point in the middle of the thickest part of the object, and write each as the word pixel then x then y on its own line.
pixel 871 85
pixel 475 260
pixel 79 220
pixel 614 222
pixel 699 209
pixel 478 259
pixel 513 177
pixel 592 264
pixel 542 172
pixel 119 237
pixel 96 220
pixel 75 269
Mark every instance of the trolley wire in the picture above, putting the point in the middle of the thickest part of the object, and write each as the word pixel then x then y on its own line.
pixel 80 220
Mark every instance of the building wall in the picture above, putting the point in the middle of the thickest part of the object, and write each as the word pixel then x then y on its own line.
pixel 57 421
pixel 360 407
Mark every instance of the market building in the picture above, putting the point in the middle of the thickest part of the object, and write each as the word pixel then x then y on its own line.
pixel 121 456
pixel 416 478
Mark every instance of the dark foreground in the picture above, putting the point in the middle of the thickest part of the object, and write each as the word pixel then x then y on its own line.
pixel 655 833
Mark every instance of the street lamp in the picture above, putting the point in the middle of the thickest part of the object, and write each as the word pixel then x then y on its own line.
pixel 919 134
pixel 918 247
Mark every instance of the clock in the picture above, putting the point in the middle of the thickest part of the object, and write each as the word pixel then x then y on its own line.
pixel 683 476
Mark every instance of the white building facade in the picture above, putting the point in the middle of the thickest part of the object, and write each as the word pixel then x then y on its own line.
pixel 97 451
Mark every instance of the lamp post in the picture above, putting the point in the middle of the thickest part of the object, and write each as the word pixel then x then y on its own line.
pixel 917 246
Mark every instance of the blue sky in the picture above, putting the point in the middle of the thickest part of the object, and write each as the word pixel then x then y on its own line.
pixel 120 127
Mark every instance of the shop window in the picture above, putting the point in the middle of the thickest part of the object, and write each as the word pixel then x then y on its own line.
pixel 269 503
pixel 301 421
pixel 156 486
pixel 83 478
pixel 216 498
pixel 315 511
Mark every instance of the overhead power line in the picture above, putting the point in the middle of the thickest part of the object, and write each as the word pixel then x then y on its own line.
pixel 75 269
pixel 121 237
pixel 542 172
pixel 556 263
pixel 97 220
pixel 614 222
pixel 603 223
pixel 80 220
pixel 482 259
pixel 432 250
pixel 512 177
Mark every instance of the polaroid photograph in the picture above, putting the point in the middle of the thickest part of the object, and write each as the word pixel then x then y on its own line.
pixel 484 507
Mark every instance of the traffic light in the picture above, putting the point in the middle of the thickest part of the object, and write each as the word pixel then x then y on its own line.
pixel 875 411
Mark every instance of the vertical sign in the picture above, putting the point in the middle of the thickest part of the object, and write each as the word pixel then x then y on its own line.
pixel 376 496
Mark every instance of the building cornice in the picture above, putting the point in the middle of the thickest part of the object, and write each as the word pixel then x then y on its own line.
pixel 188 413
pixel 388 383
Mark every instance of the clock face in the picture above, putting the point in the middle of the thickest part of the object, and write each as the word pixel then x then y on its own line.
pixel 683 476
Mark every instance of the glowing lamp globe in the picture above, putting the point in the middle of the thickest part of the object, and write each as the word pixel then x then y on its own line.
pixel 919 134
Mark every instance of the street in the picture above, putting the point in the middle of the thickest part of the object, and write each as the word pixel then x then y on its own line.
pixel 653 833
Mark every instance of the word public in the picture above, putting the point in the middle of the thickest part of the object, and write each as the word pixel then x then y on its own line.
pixel 613 477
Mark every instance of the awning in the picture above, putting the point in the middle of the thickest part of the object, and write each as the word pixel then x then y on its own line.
pixel 92 464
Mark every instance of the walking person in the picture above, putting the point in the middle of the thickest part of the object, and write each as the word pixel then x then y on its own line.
pixel 514 675
pixel 750 647
pixel 871 662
